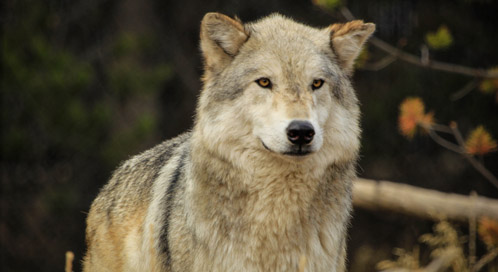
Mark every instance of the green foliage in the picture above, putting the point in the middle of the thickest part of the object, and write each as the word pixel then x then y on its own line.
pixel 128 76
pixel 50 96
pixel 441 39
pixel 328 4
pixel 489 86
pixel 44 87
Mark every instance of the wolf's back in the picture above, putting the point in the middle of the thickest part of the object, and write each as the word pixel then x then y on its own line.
pixel 123 203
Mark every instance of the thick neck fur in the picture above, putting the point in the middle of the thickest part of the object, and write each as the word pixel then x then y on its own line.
pixel 270 208
pixel 264 190
pixel 255 171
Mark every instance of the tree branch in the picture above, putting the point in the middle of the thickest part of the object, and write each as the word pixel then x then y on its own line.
pixel 69 261
pixel 379 65
pixel 460 148
pixel 424 203
pixel 472 233
pixel 465 90
pixel 442 142
pixel 485 260
pixel 477 165
pixel 415 60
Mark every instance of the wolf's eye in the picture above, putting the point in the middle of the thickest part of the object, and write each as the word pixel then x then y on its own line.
pixel 264 82
pixel 317 84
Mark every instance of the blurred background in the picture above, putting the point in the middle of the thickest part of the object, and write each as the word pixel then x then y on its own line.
pixel 85 84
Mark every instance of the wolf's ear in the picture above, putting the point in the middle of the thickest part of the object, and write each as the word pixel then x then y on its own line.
pixel 221 39
pixel 347 41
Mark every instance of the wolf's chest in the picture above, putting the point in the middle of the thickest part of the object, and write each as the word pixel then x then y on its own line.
pixel 272 237
pixel 256 248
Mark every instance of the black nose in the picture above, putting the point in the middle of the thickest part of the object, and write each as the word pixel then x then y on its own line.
pixel 300 132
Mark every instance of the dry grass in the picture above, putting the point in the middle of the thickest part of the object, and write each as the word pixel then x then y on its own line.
pixel 447 252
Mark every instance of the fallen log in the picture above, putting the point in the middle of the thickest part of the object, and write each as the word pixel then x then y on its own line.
pixel 424 203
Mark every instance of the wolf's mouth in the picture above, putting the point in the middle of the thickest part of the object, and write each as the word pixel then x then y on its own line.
pixel 297 151
pixel 266 147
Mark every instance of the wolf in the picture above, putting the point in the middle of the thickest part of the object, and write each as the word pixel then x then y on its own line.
pixel 263 180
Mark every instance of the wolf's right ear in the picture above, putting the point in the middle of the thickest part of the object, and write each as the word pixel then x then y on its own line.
pixel 221 39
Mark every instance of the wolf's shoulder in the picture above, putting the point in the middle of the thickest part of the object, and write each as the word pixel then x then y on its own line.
pixel 152 160
pixel 158 154
pixel 134 178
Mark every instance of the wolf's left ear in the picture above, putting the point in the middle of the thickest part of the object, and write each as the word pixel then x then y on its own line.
pixel 221 39
pixel 347 41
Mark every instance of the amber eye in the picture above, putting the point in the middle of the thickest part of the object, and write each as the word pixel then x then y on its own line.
pixel 264 82
pixel 317 84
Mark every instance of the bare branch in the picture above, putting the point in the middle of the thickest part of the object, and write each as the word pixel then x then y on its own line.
pixel 69 261
pixel 424 203
pixel 424 54
pixel 485 260
pixel 442 142
pixel 465 90
pixel 460 148
pixel 440 128
pixel 379 65
pixel 415 60
pixel 472 232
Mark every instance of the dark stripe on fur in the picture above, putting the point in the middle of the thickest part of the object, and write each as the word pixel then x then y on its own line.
pixel 218 43
pixel 170 194
pixel 331 35
pixel 121 176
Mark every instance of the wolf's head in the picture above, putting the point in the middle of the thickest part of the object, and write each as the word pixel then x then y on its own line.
pixel 279 88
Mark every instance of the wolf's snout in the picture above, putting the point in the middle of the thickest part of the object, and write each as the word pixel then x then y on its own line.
pixel 300 132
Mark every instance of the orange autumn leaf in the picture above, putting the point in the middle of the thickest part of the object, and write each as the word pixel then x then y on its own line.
pixel 412 114
pixel 480 142
pixel 488 231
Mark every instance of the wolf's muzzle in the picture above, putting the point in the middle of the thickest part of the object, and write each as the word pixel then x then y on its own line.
pixel 300 132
